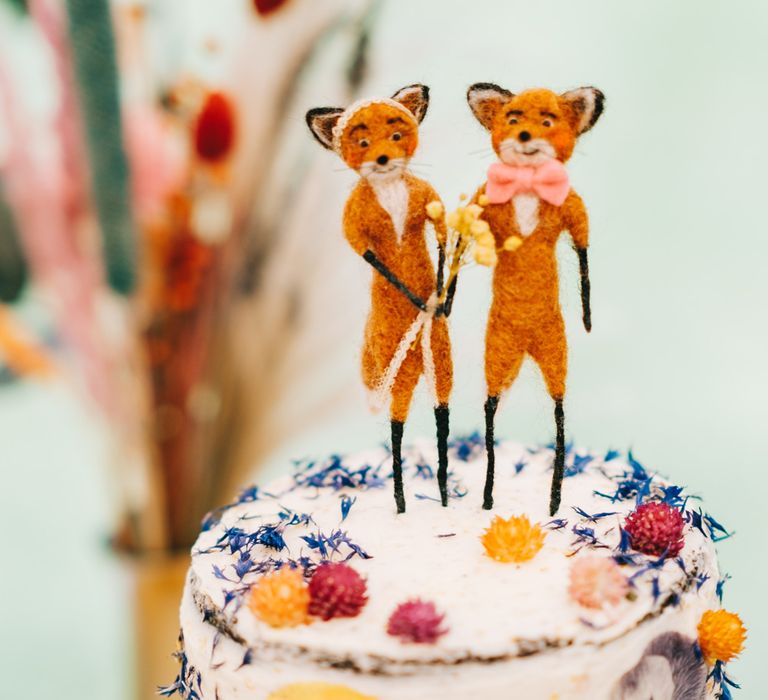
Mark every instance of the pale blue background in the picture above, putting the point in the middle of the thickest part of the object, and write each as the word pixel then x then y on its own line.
pixel 673 177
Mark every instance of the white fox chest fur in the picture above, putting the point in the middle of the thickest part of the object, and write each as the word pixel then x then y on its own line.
pixel 393 197
pixel 526 212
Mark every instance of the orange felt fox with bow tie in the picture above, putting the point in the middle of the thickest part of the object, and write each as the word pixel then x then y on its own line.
pixel 528 203
pixel 384 221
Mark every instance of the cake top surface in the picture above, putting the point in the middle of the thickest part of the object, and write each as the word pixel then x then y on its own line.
pixel 341 510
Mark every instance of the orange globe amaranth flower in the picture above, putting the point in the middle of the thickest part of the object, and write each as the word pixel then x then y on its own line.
pixel 281 599
pixel 317 691
pixel 721 636
pixel 513 540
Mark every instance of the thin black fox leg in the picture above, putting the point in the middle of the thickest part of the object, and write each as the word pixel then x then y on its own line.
pixel 442 422
pixel 397 464
pixel 559 470
pixel 491 404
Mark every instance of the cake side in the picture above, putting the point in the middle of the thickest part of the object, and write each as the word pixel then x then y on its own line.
pixel 566 674
pixel 507 624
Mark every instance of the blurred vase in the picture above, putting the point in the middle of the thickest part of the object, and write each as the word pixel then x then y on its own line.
pixel 157 583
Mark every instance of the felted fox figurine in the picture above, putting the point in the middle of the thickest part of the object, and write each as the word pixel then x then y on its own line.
pixel 528 203
pixel 384 222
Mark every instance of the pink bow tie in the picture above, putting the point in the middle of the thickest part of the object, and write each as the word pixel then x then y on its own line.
pixel 549 181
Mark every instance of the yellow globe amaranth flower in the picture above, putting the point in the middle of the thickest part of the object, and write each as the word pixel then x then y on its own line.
pixel 486 240
pixel 453 219
pixel 435 210
pixel 721 636
pixel 515 539
pixel 480 228
pixel 317 691
pixel 473 212
pixel 485 255
pixel 281 599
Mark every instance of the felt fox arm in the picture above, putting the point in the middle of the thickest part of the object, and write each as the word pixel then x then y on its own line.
pixel 575 218
pixel 441 233
pixel 355 234
pixel 358 239
pixel 370 257
pixel 585 289
pixel 440 269
pixel 448 305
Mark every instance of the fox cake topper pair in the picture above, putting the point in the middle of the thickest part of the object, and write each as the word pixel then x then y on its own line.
pixel 513 223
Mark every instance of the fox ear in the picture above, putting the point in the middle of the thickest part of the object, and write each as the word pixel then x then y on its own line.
pixel 321 121
pixel 415 98
pixel 586 106
pixel 485 100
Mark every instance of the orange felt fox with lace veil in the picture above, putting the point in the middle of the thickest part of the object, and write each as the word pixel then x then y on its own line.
pixel 528 203
pixel 384 221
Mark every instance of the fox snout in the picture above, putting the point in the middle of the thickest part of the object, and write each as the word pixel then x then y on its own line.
pixel 526 149
pixel 383 166
pixel 384 152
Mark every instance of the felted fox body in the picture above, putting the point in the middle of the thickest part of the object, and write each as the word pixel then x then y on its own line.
pixel 530 204
pixel 525 317
pixel 403 250
pixel 385 222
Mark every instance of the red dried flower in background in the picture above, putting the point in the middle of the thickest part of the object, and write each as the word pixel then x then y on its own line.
pixel 214 130
pixel 655 528
pixel 336 590
pixel 267 7
pixel 416 621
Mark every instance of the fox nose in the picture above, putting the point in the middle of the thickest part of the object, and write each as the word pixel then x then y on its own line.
pixel 382 160
pixel 524 136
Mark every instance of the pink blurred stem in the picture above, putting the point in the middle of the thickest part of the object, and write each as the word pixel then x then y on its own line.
pixel 52 237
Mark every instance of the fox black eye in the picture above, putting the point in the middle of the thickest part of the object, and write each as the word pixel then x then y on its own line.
pixel 513 120
pixel 547 122
pixel 397 136
pixel 363 143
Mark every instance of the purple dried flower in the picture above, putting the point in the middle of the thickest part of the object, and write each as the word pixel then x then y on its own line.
pixel 416 621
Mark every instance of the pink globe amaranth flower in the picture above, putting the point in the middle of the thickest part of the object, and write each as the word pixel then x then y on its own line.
pixel 656 528
pixel 596 582
pixel 336 590
pixel 416 621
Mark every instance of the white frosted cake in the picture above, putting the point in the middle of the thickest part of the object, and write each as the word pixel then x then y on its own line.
pixel 312 587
